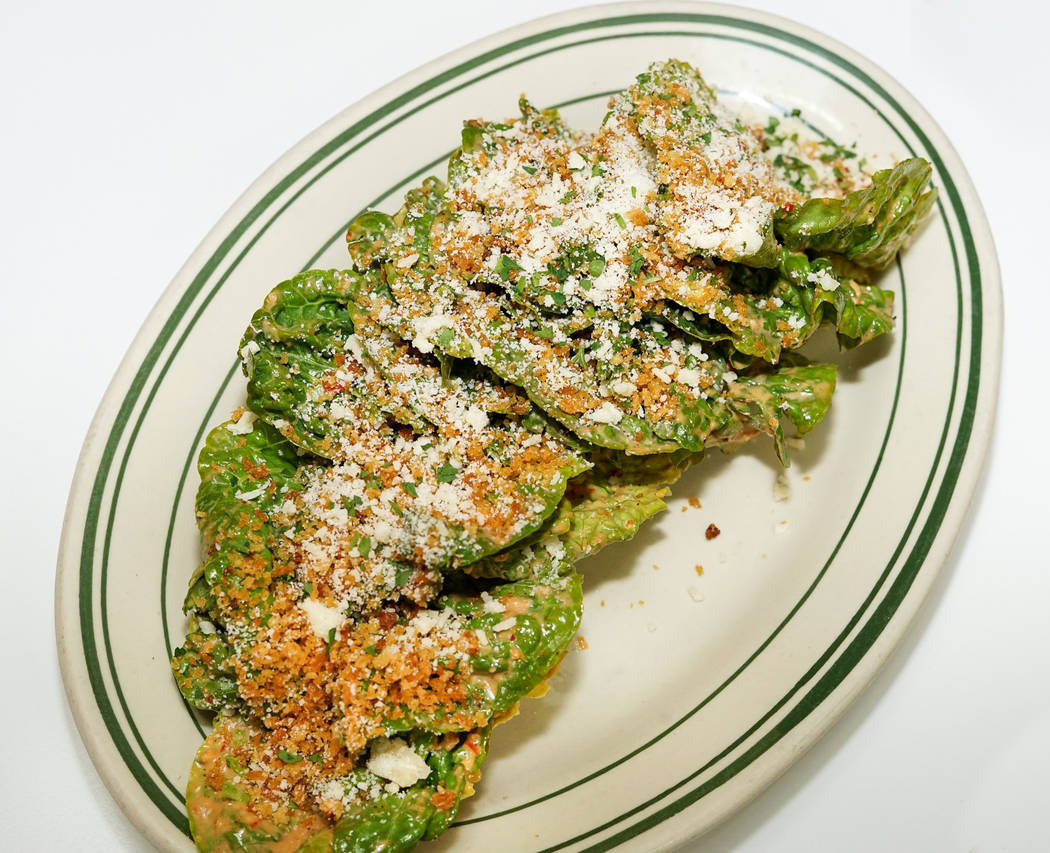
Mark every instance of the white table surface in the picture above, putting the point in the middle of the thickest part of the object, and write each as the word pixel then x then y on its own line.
pixel 113 112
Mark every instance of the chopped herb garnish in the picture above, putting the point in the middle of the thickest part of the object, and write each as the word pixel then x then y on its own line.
pixel 288 757
pixel 636 261
pixel 447 473
pixel 331 641
pixel 315 758
pixel 596 267
pixel 308 590
pixel 796 171
pixel 410 489
pixel 234 764
pixel 504 266
pixel 555 221
pixel 530 169
pixel 364 546
pixel 835 151
pixel 620 220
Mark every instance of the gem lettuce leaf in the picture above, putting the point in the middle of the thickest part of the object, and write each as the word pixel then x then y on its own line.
pixel 868 226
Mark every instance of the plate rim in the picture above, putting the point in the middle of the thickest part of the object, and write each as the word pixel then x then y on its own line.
pixel 959 500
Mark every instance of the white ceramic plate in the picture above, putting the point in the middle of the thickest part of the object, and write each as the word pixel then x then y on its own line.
pixel 682 707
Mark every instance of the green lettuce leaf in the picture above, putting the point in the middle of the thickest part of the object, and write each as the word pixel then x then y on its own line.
pixel 859 312
pixel 607 504
pixel 538 620
pixel 394 823
pixel 204 670
pixel 674 111
pixel 869 225
pixel 223 819
pixel 800 394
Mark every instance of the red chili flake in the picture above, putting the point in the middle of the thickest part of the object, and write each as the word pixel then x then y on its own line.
pixel 711 532
pixel 473 747
pixel 788 207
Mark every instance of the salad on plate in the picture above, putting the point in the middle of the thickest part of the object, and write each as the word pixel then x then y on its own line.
pixel 509 374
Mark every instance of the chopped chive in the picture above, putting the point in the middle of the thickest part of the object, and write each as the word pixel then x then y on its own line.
pixel 331 641
pixel 619 220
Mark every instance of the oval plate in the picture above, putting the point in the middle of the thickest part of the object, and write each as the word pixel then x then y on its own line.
pixel 697 686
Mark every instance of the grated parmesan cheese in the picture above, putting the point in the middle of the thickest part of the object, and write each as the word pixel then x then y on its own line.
pixel 245 423
pixel 321 618
pixel 395 760
pixel 606 413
